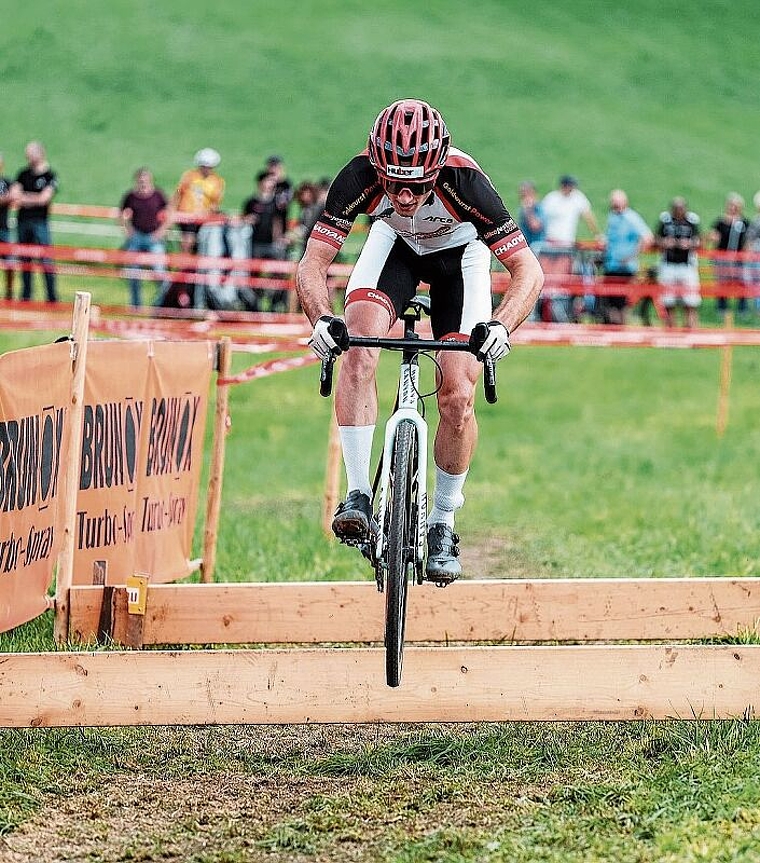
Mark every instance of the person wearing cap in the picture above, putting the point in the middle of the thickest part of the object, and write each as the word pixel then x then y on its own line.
pixel 199 195
pixel 563 208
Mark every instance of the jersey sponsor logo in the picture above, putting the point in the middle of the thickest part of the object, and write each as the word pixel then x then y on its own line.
pixel 510 246
pixel 403 172
pixel 328 234
pixel 422 236
pixel 341 224
pixel 349 208
pixel 437 219
pixel 374 297
pixel 468 208
pixel 506 228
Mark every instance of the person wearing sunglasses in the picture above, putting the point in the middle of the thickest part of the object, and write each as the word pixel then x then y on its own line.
pixel 436 219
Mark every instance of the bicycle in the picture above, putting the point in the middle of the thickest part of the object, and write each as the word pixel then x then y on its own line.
pixel 396 545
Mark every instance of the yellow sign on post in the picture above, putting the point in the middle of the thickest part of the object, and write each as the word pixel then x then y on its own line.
pixel 137 593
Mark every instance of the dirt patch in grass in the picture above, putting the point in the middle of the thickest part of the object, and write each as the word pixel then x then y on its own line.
pixel 236 819
pixel 499 556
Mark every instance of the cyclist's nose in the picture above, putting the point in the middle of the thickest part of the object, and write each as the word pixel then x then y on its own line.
pixel 405 196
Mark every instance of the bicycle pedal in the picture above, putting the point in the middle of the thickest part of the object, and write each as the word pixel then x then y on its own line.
pixel 441 582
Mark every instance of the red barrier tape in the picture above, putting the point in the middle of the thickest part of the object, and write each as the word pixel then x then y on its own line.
pixel 270 367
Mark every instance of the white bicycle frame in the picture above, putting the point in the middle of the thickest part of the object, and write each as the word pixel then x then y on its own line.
pixel 408 395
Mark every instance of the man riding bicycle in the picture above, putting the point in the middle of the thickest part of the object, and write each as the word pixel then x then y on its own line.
pixel 435 216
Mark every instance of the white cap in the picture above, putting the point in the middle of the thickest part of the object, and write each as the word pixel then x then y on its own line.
pixel 207 158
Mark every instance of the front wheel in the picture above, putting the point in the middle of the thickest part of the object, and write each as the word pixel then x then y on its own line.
pixel 401 522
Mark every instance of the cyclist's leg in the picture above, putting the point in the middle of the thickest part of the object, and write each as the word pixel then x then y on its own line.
pixel 457 433
pixel 460 298
pixel 356 411
pixel 380 284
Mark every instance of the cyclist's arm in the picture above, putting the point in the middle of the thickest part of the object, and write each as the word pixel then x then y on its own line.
pixel 523 289
pixel 311 279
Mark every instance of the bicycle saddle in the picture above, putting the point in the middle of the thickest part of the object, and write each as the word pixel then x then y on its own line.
pixel 418 304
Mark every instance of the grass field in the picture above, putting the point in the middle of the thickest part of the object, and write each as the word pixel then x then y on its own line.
pixel 594 462
pixel 658 100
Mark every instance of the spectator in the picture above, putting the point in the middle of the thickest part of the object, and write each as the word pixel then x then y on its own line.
pixel 198 196
pixel 562 209
pixel 678 238
pixel 530 218
pixel 627 234
pixel 728 234
pixel 283 191
pixel 6 199
pixel 268 241
pixel 309 210
pixel 33 191
pixel 752 245
pixel 144 216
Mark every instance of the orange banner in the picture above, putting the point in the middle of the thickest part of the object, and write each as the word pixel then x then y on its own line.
pixel 171 457
pixel 142 452
pixel 114 407
pixel 35 393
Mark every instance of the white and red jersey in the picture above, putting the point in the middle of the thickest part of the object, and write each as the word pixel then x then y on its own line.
pixel 462 207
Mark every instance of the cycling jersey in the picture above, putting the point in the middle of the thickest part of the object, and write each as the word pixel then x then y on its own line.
pixel 463 206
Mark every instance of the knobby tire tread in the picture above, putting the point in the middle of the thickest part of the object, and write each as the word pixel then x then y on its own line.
pixel 401 528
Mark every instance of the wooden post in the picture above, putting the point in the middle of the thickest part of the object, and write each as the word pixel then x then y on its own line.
pixel 65 566
pixel 216 469
pixel 332 477
pixel 726 358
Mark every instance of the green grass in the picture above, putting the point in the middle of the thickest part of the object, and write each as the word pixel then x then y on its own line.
pixel 508 792
pixel 656 100
pixel 593 463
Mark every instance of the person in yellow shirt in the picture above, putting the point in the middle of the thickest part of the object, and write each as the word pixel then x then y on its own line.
pixel 198 195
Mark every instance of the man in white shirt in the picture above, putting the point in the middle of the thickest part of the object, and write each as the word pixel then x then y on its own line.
pixel 562 209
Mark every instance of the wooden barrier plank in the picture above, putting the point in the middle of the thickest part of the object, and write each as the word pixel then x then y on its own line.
pixel 504 610
pixel 440 684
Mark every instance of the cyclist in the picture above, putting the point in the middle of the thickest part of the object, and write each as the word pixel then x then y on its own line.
pixel 435 216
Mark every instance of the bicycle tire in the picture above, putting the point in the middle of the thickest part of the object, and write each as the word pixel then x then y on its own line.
pixel 401 522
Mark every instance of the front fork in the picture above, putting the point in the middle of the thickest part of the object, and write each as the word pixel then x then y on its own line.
pixel 406 411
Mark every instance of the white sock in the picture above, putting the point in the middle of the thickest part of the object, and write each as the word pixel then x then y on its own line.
pixel 448 497
pixel 356 442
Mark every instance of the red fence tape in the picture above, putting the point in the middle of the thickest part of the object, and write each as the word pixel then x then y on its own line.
pixel 270 367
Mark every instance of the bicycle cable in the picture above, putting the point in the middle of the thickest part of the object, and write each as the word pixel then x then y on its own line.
pixel 422 396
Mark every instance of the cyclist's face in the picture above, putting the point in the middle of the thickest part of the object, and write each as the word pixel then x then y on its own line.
pixel 406 199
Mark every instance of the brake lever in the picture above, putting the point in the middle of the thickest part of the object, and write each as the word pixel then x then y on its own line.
pixel 477 338
pixel 326 375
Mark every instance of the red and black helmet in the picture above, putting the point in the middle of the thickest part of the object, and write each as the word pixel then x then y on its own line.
pixel 408 141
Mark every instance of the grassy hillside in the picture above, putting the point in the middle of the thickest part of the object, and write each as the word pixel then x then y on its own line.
pixel 593 463
pixel 658 99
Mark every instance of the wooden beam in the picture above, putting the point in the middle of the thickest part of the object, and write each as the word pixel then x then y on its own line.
pixel 216 468
pixel 65 568
pixel 439 684
pixel 510 610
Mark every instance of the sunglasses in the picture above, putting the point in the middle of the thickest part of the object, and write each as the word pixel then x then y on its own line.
pixel 394 187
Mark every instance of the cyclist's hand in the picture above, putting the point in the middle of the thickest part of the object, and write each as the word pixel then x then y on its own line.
pixel 330 336
pixel 496 343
